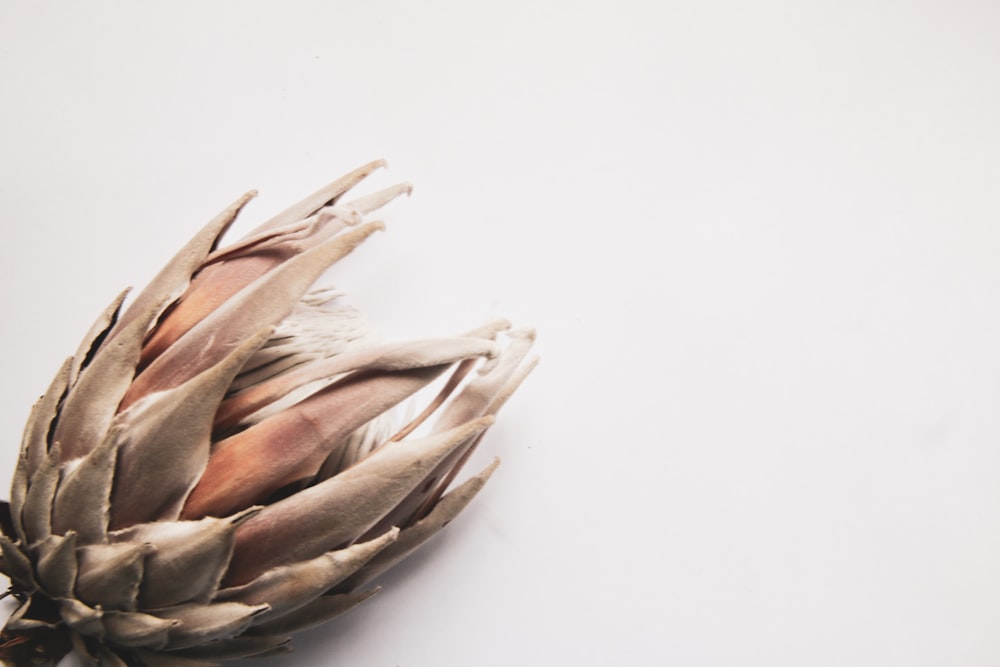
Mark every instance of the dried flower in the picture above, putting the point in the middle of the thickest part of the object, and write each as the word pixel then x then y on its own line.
pixel 215 469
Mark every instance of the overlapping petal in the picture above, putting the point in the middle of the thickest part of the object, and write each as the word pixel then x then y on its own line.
pixel 218 464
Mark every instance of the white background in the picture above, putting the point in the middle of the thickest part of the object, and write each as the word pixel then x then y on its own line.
pixel 759 241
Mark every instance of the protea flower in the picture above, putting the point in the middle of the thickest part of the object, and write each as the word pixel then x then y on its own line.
pixel 215 468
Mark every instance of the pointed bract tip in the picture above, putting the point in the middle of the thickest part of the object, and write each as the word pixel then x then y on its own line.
pixel 526 333
pixel 483 423
pixel 488 471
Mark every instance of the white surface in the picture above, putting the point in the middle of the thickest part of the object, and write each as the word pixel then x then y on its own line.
pixel 759 241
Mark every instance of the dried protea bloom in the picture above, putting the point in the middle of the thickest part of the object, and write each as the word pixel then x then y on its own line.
pixel 215 468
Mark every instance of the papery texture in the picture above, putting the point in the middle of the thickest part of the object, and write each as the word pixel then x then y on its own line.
pixel 218 465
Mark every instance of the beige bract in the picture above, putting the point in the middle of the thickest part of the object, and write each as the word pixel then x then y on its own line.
pixel 215 468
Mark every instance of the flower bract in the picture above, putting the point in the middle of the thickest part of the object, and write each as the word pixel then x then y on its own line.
pixel 228 458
